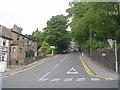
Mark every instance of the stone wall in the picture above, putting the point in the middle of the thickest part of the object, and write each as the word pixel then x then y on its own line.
pixel 105 57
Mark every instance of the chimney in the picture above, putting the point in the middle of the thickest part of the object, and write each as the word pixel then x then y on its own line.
pixel 17 29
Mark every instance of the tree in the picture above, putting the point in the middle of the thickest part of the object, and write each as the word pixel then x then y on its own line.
pixel 44 47
pixel 95 17
pixel 56 33
pixel 39 37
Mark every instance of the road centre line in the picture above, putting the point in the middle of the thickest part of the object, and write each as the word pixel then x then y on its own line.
pixel 43 76
pixel 55 66
pixel 61 60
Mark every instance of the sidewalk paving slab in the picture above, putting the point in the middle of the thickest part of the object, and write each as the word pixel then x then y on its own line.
pixel 99 69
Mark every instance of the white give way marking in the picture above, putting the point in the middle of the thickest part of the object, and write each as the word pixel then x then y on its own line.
pixel 72 71
pixel 43 78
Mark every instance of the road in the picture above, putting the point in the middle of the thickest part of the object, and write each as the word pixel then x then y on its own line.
pixel 64 71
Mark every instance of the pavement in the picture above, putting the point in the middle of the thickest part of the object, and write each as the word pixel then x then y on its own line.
pixel 22 67
pixel 99 70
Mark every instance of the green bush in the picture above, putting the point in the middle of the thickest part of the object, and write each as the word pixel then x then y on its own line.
pixel 49 51
pixel 44 47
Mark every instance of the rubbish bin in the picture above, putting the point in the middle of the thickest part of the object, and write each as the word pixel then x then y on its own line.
pixel 3 66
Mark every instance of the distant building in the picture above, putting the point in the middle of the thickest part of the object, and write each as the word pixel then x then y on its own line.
pixel 73 46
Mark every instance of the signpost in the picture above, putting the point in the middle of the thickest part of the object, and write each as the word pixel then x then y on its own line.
pixel 111 42
pixel 53 47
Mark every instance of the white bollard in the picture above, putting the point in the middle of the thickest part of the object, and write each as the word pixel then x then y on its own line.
pixel 82 53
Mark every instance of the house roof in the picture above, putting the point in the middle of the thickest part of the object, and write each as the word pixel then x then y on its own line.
pixel 5 37
pixel 23 35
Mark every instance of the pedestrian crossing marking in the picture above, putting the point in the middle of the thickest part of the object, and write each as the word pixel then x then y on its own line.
pixel 68 79
pixel 95 79
pixel 80 79
pixel 44 79
pixel 72 71
pixel 55 79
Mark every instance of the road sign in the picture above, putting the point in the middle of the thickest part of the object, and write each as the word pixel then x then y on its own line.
pixel 52 46
pixel 72 71
pixel 110 41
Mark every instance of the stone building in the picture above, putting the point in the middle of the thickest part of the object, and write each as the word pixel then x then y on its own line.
pixel 15 47
pixel 5 41
pixel 22 46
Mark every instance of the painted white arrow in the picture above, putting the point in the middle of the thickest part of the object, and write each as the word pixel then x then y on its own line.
pixel 72 71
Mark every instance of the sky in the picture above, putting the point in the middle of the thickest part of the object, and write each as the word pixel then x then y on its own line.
pixel 30 14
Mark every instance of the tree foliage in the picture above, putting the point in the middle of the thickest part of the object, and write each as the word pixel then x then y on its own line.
pixel 56 33
pixel 100 20
pixel 39 37
pixel 44 47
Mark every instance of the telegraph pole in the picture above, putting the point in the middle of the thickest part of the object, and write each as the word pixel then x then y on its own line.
pixel 90 45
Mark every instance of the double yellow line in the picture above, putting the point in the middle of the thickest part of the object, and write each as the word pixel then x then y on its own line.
pixel 89 72
pixel 25 69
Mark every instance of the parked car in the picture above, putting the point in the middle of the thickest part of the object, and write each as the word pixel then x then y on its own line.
pixel 65 51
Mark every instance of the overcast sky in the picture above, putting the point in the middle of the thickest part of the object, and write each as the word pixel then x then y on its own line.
pixel 30 14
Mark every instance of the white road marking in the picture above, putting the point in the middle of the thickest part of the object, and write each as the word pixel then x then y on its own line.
pixel 44 79
pixel 72 71
pixel 55 79
pixel 61 61
pixel 43 76
pixel 55 66
pixel 95 79
pixel 68 79
pixel 80 79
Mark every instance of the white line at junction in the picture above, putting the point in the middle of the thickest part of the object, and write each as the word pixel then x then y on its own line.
pixel 43 76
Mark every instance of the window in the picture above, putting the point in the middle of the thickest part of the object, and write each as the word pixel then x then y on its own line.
pixel 20 50
pixel 23 39
pixel 4 43
pixel 14 49
pixel 2 57
pixel 29 43
pixel 33 44
pixel 17 37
